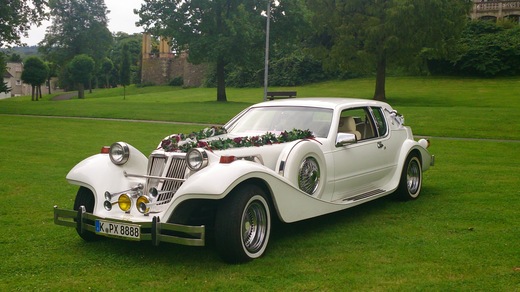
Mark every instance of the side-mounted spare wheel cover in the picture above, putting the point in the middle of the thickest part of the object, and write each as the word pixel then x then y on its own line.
pixel 309 175
pixel 304 166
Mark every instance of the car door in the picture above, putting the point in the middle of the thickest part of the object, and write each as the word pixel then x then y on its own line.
pixel 363 166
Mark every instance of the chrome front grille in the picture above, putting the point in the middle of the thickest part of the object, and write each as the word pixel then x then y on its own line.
pixel 161 165
pixel 155 168
pixel 176 169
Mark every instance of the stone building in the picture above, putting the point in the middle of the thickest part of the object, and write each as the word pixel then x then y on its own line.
pixel 162 67
pixel 496 9
pixel 13 78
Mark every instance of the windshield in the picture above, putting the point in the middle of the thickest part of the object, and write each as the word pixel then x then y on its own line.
pixel 278 119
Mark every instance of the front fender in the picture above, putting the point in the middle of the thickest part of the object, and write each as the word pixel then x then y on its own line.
pixel 99 174
pixel 219 179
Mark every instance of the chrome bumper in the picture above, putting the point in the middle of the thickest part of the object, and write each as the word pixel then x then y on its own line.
pixel 155 231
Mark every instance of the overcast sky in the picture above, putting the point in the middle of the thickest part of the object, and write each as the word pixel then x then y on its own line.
pixel 121 18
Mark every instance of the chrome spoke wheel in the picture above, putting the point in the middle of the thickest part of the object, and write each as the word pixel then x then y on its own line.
pixel 243 221
pixel 413 177
pixel 254 226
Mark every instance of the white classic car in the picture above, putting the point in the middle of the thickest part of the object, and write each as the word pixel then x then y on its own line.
pixel 289 159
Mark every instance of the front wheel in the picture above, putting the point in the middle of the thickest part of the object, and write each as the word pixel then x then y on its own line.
pixel 85 198
pixel 243 224
pixel 411 178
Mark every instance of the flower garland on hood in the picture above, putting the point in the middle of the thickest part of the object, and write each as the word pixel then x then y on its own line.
pixel 183 143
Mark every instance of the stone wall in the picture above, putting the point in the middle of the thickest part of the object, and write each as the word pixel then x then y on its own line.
pixel 161 68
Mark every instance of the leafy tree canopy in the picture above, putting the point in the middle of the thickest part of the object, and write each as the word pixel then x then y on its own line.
pixel 366 35
pixel 16 18
pixel 78 27
pixel 486 49
pixel 81 68
pixel 35 71
pixel 220 32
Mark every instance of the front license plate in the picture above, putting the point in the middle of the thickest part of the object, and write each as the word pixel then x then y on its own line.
pixel 118 229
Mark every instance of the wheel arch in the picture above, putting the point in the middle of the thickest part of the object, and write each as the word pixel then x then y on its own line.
pixel 191 210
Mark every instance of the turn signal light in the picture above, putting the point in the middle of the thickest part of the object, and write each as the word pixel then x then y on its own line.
pixel 227 159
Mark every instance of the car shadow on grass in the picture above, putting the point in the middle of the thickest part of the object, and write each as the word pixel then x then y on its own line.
pixel 283 236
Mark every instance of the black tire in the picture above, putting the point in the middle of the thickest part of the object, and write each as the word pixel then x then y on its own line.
pixel 411 178
pixel 243 224
pixel 85 198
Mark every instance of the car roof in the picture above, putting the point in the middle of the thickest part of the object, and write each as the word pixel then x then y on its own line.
pixel 323 102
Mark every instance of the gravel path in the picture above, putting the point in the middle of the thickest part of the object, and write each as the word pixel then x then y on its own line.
pixel 65 96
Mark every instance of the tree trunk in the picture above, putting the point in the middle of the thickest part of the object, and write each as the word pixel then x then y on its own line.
pixel 221 81
pixel 81 90
pixel 49 84
pixel 380 93
pixel 33 93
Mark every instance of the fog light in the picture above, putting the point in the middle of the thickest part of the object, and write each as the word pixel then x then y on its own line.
pixel 124 202
pixel 142 202
pixel 107 205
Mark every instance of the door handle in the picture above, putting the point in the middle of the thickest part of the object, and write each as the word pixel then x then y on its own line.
pixel 380 145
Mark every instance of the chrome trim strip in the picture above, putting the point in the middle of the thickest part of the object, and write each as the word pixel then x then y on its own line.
pixel 153 177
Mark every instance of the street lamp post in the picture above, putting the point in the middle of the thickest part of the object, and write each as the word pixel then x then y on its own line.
pixel 266 63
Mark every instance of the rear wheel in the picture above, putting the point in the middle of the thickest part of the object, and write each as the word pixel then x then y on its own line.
pixel 243 224
pixel 411 178
pixel 85 198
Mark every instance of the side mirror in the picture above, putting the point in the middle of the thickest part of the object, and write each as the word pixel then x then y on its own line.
pixel 344 139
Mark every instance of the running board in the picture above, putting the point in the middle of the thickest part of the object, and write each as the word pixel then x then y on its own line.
pixel 365 195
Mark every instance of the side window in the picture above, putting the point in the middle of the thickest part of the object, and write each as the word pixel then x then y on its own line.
pixel 357 121
pixel 380 121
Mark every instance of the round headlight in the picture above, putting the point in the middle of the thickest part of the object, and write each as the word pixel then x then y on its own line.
pixel 197 159
pixel 119 153
pixel 124 202
pixel 142 202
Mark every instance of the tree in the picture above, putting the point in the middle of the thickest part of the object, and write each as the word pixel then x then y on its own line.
pixel 3 85
pixel 35 72
pixel 489 49
pixel 15 58
pixel 16 18
pixel 134 48
pixel 53 72
pixel 78 27
pixel 106 67
pixel 219 32
pixel 372 34
pixel 125 69
pixel 81 69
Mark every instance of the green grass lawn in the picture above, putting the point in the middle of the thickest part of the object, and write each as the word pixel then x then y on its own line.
pixel 461 234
